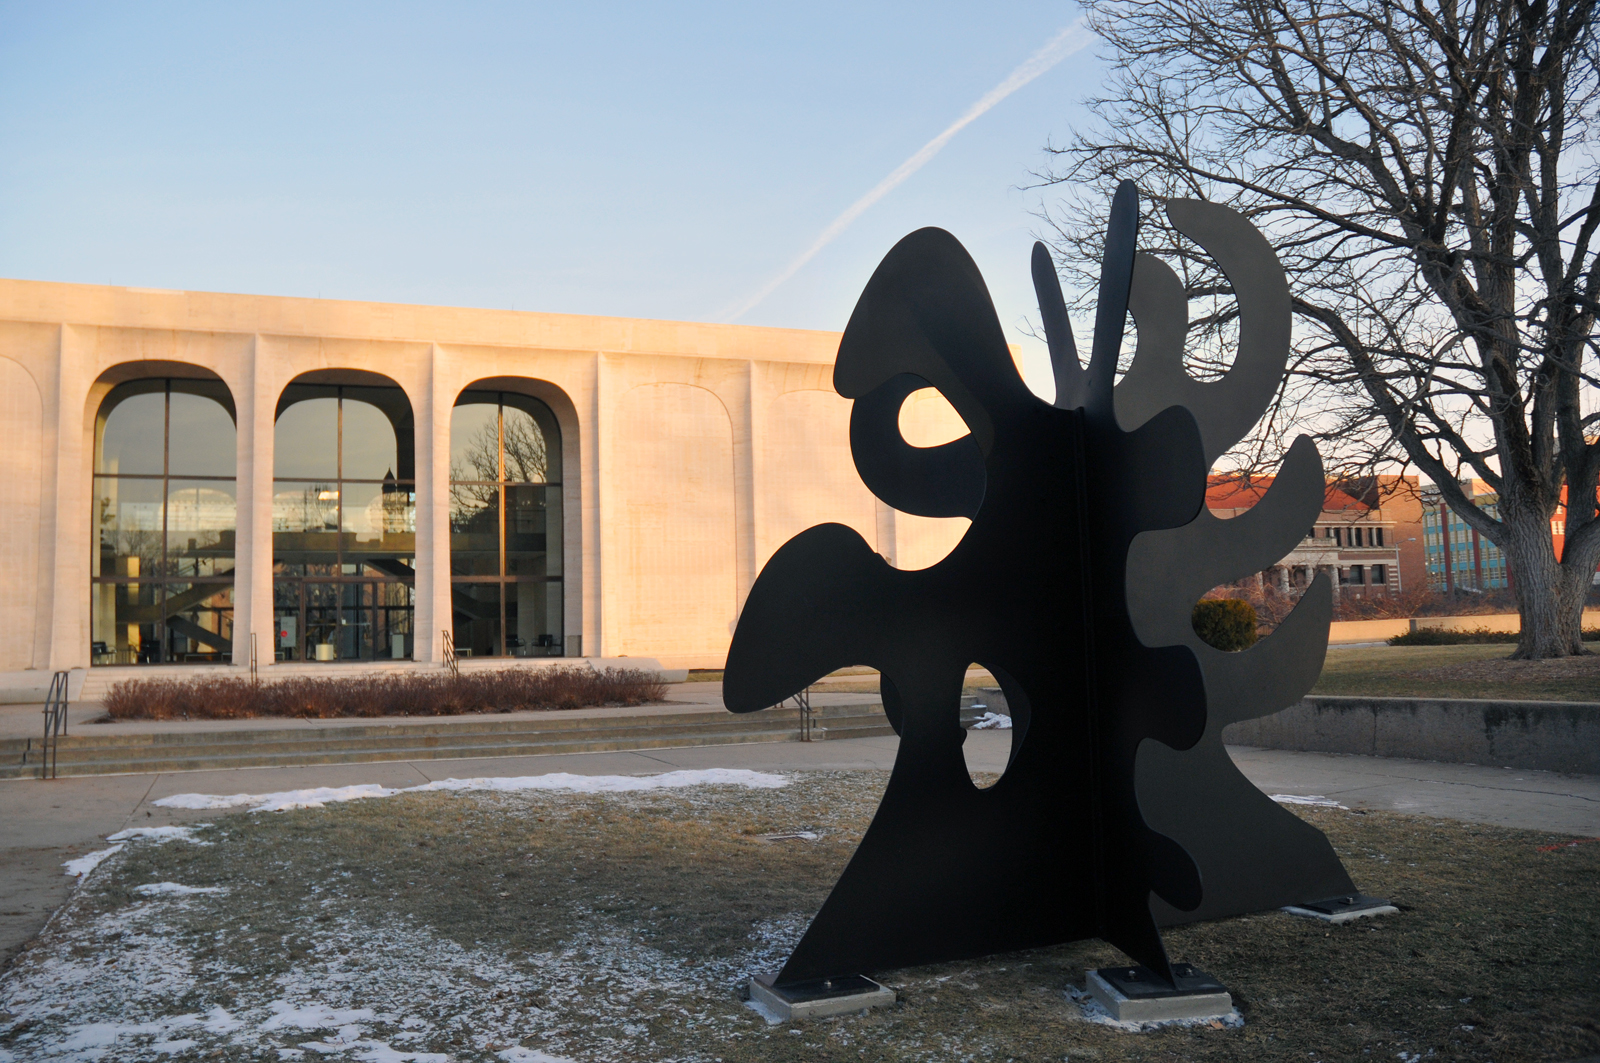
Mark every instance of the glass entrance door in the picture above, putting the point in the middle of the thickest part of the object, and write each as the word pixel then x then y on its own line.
pixel 344 620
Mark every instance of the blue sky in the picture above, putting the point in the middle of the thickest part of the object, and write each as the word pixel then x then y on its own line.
pixel 631 160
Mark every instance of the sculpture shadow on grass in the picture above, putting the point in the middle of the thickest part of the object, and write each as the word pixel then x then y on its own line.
pixel 1119 810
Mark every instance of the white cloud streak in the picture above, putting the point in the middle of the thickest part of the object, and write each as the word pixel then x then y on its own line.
pixel 1072 39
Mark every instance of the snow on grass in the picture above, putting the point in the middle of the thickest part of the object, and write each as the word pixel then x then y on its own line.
pixel 89 861
pixel 530 1055
pixel 119 981
pixel 583 784
pixel 81 867
pixel 159 835
pixel 153 889
pixel 1314 800
pixel 992 721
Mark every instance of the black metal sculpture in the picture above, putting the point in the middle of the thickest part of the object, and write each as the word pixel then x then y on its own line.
pixel 1119 809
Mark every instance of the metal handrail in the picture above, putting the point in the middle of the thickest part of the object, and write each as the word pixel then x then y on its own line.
pixel 808 722
pixel 55 724
pixel 450 660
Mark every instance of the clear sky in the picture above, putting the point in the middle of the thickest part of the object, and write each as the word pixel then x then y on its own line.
pixel 662 161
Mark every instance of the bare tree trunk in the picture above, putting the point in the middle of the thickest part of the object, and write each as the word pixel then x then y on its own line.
pixel 1549 593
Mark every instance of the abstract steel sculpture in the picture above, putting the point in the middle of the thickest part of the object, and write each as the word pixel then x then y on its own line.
pixel 1119 810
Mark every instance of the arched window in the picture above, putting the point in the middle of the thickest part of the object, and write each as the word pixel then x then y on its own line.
pixel 164 523
pixel 505 526
pixel 344 523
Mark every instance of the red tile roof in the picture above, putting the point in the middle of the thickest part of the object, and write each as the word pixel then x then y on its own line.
pixel 1229 492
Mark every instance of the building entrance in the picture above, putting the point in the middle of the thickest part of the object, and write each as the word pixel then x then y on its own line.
pixel 343 620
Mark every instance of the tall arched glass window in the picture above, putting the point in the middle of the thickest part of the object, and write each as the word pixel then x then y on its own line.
pixel 505 526
pixel 164 522
pixel 344 523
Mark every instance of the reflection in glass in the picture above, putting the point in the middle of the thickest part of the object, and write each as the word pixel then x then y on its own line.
pixel 162 567
pixel 201 518
pixel 131 429
pixel 202 430
pixel 533 531
pixel 371 450
pixel 475 442
pixel 474 530
pixel 344 539
pixel 305 443
pixel 505 525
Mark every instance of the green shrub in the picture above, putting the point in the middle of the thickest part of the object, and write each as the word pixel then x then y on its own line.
pixel 1226 623
pixel 1432 636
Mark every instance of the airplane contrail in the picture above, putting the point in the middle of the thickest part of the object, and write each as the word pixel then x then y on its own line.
pixel 1072 39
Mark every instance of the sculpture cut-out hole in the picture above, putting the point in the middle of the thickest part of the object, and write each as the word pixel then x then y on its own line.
pixel 928 420
pixel 1213 340
pixel 992 703
pixel 1228 622
pixel 986 718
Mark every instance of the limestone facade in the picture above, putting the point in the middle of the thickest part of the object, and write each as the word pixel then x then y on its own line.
pixel 689 453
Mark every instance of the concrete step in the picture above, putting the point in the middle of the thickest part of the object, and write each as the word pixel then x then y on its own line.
pixel 207 750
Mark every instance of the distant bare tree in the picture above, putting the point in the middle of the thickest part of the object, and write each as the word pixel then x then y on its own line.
pixel 527 460
pixel 1427 171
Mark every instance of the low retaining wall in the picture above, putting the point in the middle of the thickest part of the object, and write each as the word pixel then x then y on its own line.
pixel 1345 632
pixel 1539 735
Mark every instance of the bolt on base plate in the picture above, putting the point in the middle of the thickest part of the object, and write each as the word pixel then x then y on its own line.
pixel 821 998
pixel 1138 994
pixel 1343 908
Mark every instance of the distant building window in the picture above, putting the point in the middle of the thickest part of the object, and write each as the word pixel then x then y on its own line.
pixel 1358 574
pixel 1380 575
pixel 1377 536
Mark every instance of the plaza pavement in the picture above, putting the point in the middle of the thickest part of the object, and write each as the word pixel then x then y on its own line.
pixel 43 823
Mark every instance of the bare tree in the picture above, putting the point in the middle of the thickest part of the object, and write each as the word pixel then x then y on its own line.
pixel 1426 169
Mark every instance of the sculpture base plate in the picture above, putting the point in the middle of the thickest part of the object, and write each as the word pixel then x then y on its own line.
pixel 1138 994
pixel 819 999
pixel 1343 908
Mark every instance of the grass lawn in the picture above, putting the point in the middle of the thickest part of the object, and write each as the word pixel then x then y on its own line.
pixel 526 926
pixel 1470 671
pixel 1481 671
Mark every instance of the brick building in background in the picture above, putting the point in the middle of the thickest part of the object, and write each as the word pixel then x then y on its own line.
pixel 1365 538
pixel 1458 557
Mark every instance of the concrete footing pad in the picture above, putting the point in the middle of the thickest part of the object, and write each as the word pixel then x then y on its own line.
pixel 1138 994
pixel 1343 909
pixel 819 999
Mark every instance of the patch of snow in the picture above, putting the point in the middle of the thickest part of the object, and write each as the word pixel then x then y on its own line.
pixel 529 1055
pixel 159 835
pixel 89 861
pixel 153 889
pixel 1315 800
pixel 313 1016
pixel 992 721
pixel 761 1009
pixel 1091 1010
pixel 315 797
pixel 584 784
pixel 608 784
pixel 791 836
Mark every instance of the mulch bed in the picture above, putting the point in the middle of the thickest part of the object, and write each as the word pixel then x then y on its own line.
pixel 538 925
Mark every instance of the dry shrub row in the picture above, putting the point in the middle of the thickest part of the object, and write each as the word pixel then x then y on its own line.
pixel 504 690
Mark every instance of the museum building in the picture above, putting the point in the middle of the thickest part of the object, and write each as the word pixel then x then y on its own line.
pixel 198 478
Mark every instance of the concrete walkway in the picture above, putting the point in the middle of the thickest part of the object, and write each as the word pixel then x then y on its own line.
pixel 43 823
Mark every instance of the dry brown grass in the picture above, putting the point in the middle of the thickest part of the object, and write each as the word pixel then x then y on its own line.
pixel 617 927
pixel 1464 671
pixel 503 690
